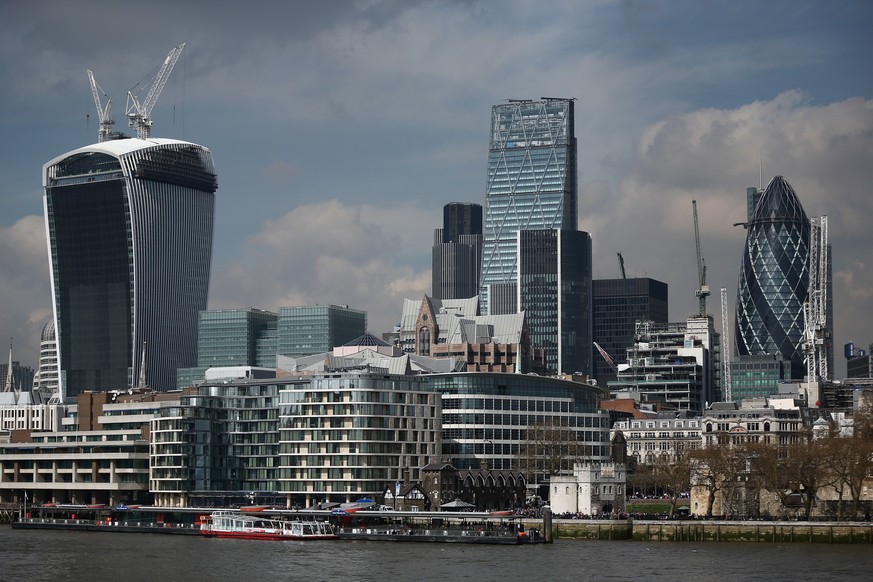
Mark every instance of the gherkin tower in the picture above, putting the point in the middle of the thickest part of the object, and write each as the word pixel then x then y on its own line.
pixel 774 278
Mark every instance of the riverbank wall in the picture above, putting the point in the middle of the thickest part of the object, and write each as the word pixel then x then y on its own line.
pixel 715 531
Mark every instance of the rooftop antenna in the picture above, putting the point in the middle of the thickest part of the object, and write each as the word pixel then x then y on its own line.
pixel 760 169
pixel 138 114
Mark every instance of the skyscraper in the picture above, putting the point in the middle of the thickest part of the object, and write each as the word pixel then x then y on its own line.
pixel 618 304
pixel 774 278
pixel 531 182
pixel 457 252
pixel 554 292
pixel 129 224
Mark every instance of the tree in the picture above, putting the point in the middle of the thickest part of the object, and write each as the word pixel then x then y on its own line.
pixel 716 467
pixel 768 472
pixel 849 460
pixel 807 465
pixel 672 472
pixel 549 448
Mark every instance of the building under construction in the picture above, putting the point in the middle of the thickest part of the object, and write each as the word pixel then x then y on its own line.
pixel 672 366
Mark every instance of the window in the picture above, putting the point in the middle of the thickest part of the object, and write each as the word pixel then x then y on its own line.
pixel 424 341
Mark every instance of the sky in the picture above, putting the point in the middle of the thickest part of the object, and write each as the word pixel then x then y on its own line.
pixel 340 129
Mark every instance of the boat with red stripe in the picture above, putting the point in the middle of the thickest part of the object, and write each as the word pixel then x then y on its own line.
pixel 232 524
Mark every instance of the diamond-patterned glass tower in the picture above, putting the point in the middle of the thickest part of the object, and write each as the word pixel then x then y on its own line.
pixel 774 278
pixel 531 181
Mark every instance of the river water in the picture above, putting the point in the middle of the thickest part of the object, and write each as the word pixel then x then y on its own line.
pixel 59 556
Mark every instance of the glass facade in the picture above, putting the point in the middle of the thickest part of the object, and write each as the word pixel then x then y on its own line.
pixel 457 252
pixel 230 337
pixel 129 225
pixel 485 416
pixel 224 438
pixel 618 305
pixel 757 376
pixel 531 181
pixel 303 331
pixel 554 292
pixel 774 278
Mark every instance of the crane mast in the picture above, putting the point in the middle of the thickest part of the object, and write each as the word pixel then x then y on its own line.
pixel 138 114
pixel 102 111
pixel 725 348
pixel 815 307
pixel 703 290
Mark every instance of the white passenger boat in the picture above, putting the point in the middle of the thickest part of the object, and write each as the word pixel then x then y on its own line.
pixel 230 524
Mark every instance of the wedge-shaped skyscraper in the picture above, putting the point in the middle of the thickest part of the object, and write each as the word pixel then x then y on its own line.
pixel 129 224
pixel 531 183
pixel 774 278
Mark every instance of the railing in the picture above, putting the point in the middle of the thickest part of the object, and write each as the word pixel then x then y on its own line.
pixel 109 524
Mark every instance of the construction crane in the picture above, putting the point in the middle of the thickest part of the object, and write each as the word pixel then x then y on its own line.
pixel 138 114
pixel 606 357
pixel 725 348
pixel 102 111
pixel 815 307
pixel 621 266
pixel 703 290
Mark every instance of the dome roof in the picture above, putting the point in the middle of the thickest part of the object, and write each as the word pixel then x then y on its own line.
pixel 779 203
pixel 48 332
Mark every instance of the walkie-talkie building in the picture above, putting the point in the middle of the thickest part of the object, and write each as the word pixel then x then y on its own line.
pixel 774 278
pixel 129 224
pixel 531 182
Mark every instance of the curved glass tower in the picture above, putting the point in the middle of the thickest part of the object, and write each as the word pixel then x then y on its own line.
pixel 774 278
pixel 129 224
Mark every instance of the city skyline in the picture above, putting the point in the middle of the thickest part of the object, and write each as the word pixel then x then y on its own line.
pixel 340 132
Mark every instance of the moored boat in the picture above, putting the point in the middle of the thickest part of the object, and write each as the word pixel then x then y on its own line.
pixel 230 524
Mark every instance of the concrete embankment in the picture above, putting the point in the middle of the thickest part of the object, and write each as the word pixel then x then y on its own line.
pixel 715 531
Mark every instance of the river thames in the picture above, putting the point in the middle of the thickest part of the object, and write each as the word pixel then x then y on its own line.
pixel 54 556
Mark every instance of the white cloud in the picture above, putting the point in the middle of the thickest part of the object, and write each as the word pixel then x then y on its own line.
pixel 322 253
pixel 712 155
pixel 25 292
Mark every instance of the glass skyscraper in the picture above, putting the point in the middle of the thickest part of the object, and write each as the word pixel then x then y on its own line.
pixel 457 252
pixel 531 182
pixel 129 224
pixel 617 305
pixel 554 292
pixel 774 278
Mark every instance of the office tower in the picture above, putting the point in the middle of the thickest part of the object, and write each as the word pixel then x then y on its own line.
pixel 554 293
pixel 774 275
pixel 531 182
pixel 129 224
pixel 672 365
pixel 753 195
pixel 617 305
pixel 457 252
pixel 757 376
pixel 46 380
pixel 313 329
pixel 461 218
pixel 232 337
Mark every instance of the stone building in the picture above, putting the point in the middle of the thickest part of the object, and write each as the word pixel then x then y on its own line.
pixel 592 489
